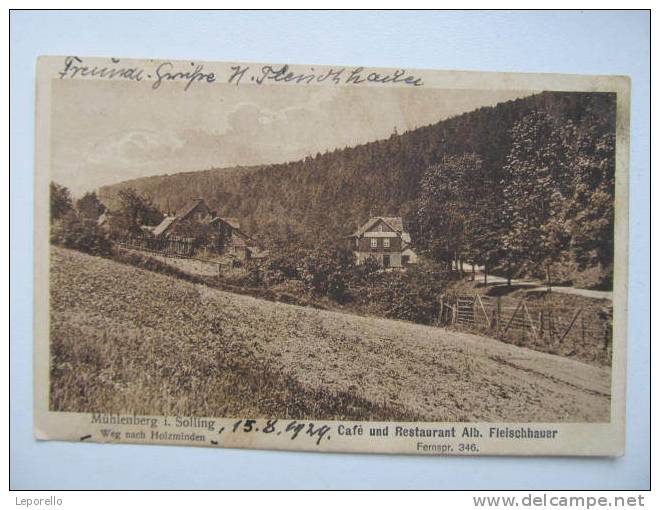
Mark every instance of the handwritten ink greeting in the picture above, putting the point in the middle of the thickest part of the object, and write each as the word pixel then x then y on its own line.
pixel 193 73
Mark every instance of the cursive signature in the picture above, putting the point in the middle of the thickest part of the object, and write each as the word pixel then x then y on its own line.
pixel 285 74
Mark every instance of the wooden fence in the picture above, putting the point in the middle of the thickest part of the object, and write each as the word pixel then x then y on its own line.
pixel 171 247
pixel 533 320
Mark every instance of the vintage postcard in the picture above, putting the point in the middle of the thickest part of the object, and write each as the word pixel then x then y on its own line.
pixel 330 258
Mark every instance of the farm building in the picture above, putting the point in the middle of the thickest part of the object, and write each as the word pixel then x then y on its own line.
pixel 211 232
pixel 383 238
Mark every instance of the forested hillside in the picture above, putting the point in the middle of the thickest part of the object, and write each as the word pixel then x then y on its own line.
pixel 526 185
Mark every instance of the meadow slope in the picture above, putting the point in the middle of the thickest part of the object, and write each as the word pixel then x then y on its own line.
pixel 128 340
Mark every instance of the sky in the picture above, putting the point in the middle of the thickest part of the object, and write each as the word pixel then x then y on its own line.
pixel 105 132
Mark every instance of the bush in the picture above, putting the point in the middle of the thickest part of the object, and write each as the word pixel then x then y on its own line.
pixel 327 272
pixel 286 264
pixel 84 235
pixel 370 271
pixel 411 295
pixel 254 275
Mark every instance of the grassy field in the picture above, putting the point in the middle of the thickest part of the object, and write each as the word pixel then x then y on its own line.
pixel 128 340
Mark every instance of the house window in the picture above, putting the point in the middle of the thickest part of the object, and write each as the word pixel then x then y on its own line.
pixel 374 243
pixel 386 243
pixel 380 227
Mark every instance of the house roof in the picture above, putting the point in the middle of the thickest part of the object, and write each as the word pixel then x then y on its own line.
pixel 232 222
pixel 395 223
pixel 235 225
pixel 164 225
pixel 169 220
pixel 190 208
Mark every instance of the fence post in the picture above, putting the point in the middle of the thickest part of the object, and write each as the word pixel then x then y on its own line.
pixel 531 321
pixel 514 314
pixel 570 326
pixel 551 324
pixel 483 309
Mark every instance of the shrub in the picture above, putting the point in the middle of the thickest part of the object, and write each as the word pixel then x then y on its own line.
pixel 286 265
pixel 84 235
pixel 327 272
pixel 411 295
pixel 254 275
pixel 369 271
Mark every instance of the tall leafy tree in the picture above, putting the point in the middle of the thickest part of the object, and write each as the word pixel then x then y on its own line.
pixel 534 189
pixel 590 213
pixel 446 209
pixel 134 210
pixel 60 201
pixel 89 206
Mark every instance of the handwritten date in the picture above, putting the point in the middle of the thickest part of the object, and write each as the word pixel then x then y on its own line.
pixel 293 429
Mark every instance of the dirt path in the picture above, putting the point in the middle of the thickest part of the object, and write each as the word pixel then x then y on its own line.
pixel 534 285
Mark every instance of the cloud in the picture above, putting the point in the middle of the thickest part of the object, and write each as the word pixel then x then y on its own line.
pixel 103 134
pixel 134 147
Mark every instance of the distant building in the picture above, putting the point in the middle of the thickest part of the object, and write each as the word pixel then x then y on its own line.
pixel 383 238
pixel 214 233
pixel 197 212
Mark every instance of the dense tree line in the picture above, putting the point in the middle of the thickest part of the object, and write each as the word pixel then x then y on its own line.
pixel 549 213
pixel 529 187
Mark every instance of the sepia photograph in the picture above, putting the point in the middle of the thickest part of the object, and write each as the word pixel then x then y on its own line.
pixel 372 260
